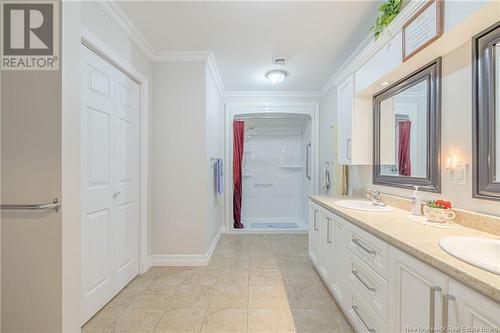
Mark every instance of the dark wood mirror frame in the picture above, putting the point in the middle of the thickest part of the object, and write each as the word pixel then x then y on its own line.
pixel 432 182
pixel 483 114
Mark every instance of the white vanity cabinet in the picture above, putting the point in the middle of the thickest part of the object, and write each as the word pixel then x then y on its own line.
pixel 353 146
pixel 383 289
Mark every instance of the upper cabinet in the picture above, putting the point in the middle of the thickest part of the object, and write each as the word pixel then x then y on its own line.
pixel 354 119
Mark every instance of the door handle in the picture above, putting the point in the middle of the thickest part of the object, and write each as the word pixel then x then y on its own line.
pixel 446 300
pixel 315 220
pixel 432 307
pixel 347 149
pixel 328 237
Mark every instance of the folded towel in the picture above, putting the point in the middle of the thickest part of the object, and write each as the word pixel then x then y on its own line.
pixel 325 179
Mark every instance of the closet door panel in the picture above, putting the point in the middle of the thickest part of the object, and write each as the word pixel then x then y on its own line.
pixel 126 173
pixel 97 183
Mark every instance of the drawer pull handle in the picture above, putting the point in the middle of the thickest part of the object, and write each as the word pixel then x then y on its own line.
pixel 364 248
pixel 355 309
pixel 356 274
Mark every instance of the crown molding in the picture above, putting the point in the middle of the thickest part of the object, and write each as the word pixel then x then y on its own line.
pixel 126 26
pixel 181 56
pixel 273 94
pixel 360 56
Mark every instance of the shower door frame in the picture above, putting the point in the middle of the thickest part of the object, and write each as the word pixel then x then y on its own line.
pixel 233 109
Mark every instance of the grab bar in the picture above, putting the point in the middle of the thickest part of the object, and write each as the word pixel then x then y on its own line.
pixel 56 204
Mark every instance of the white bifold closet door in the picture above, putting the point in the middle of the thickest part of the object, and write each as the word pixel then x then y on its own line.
pixel 110 182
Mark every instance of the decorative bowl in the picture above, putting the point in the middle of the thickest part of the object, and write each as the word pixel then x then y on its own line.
pixel 438 215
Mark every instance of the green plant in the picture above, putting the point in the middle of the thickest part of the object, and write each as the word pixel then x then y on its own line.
pixel 389 10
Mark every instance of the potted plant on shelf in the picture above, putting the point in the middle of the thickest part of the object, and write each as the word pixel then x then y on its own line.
pixel 389 10
pixel 438 211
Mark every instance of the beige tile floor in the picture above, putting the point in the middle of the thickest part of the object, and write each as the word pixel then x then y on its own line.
pixel 254 283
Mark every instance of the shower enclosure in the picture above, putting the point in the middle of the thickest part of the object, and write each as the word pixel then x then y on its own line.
pixel 277 171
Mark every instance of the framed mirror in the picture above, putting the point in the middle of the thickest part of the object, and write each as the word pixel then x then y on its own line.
pixel 407 131
pixel 486 114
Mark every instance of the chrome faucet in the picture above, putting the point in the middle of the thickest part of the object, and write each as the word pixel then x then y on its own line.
pixel 374 196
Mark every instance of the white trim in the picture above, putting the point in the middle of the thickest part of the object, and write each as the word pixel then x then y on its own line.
pixel 360 57
pixel 188 259
pixel 212 68
pixel 122 21
pixel 273 94
pixel 97 45
pixel 232 109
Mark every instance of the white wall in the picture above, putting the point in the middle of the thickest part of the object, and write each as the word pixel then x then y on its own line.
pixel 456 135
pixel 179 177
pixel 215 148
pixel 327 128
pixel 97 21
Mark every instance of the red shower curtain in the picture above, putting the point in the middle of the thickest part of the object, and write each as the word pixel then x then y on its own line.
pixel 404 148
pixel 238 140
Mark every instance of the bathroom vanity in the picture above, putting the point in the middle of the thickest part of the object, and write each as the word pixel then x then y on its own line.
pixel 389 274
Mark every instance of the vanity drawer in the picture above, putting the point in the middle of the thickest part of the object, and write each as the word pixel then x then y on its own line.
pixel 362 316
pixel 368 283
pixel 373 251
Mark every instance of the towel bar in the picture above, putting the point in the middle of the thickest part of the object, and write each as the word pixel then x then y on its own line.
pixel 54 205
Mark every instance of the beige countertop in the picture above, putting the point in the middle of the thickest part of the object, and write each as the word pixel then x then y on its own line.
pixel 420 241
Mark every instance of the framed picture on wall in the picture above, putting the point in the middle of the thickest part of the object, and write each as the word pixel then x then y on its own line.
pixel 423 28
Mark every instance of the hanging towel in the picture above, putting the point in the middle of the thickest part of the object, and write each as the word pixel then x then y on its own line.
pixel 219 176
pixel 325 179
pixel 345 180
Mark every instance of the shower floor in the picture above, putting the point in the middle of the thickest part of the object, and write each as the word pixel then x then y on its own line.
pixel 274 226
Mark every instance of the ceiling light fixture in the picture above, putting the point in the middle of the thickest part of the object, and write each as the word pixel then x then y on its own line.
pixel 276 76
pixel 280 61
pixel 385 83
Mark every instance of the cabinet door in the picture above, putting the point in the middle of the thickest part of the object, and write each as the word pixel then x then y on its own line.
pixel 326 244
pixel 468 309
pixel 313 233
pixel 339 259
pixel 415 299
pixel 345 101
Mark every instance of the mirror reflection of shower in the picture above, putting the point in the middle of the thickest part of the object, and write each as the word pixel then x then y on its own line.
pixel 276 170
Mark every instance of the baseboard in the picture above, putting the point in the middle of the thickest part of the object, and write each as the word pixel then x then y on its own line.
pixel 187 259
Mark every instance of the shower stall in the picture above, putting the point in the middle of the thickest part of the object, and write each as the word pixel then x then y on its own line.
pixel 276 171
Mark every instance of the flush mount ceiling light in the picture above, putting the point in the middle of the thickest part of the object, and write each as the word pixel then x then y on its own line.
pixel 276 76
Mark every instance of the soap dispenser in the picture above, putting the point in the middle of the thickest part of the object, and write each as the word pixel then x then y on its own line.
pixel 416 202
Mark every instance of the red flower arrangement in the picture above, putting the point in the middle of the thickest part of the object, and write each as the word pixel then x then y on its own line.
pixel 439 204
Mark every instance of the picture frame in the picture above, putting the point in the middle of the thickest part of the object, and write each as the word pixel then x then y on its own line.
pixel 423 28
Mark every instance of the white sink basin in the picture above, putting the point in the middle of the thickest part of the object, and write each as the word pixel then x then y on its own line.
pixel 480 252
pixel 362 205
